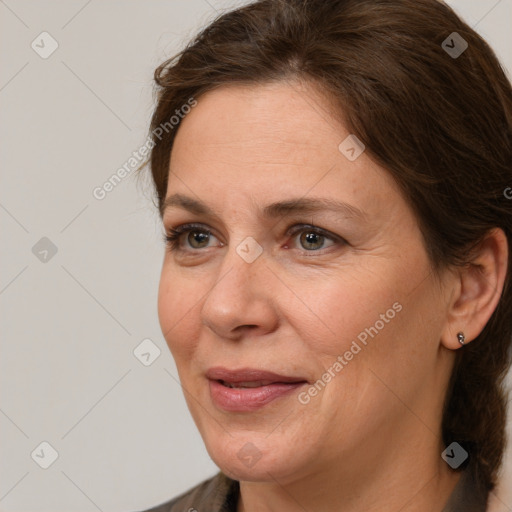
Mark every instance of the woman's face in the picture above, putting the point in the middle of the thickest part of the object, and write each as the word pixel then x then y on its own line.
pixel 325 295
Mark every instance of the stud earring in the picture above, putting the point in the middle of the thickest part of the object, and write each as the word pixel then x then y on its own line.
pixel 461 337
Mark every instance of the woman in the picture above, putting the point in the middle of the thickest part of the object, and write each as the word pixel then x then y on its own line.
pixel 336 285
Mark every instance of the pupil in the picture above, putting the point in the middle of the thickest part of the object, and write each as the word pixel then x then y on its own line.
pixel 312 238
pixel 198 236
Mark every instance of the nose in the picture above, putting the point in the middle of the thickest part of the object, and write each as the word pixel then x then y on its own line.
pixel 241 301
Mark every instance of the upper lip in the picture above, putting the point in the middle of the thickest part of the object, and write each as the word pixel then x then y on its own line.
pixel 249 375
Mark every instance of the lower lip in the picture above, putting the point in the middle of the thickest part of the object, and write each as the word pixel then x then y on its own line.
pixel 249 399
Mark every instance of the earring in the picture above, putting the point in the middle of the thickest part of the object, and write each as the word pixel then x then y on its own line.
pixel 461 337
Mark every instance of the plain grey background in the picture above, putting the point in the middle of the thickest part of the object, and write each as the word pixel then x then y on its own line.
pixel 80 275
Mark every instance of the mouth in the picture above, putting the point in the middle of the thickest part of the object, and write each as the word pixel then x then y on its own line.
pixel 250 377
pixel 249 389
pixel 241 385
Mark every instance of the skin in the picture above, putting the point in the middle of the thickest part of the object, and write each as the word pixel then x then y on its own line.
pixel 370 440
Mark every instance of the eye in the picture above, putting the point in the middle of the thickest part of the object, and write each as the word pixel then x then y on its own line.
pixel 198 237
pixel 313 239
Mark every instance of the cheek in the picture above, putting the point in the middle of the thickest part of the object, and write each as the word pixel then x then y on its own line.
pixel 363 327
pixel 387 336
pixel 344 310
pixel 176 303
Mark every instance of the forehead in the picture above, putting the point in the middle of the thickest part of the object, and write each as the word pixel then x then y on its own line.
pixel 277 114
pixel 270 142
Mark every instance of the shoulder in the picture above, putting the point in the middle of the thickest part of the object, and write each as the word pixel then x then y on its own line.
pixel 216 494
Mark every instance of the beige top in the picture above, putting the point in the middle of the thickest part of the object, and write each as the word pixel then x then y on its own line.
pixel 220 494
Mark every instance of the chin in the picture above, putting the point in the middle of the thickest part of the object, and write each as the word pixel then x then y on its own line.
pixel 241 473
pixel 245 457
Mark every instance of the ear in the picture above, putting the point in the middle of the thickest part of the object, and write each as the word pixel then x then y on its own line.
pixel 477 290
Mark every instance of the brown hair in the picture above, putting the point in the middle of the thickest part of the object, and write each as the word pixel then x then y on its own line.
pixel 440 125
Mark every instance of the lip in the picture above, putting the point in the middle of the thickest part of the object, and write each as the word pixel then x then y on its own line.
pixel 249 399
pixel 249 375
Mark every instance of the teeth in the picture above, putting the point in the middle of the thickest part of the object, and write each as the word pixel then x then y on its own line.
pixel 255 384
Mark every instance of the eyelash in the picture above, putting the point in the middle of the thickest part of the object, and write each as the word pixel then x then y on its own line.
pixel 172 236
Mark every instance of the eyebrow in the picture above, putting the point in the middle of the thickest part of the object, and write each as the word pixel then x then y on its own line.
pixel 304 205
